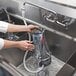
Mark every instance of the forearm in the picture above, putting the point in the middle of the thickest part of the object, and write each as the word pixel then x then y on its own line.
pixel 16 28
pixel 23 45
pixel 10 44
pixel 7 27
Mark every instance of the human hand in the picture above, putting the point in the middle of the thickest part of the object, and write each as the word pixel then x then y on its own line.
pixel 25 45
pixel 31 28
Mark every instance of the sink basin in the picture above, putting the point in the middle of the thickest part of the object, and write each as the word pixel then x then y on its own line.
pixel 13 55
pixel 61 48
pixel 50 70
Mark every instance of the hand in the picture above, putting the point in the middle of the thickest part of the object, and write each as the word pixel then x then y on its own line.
pixel 31 28
pixel 25 45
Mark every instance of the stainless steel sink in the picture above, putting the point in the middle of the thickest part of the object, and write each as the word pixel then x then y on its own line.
pixel 60 46
pixel 13 55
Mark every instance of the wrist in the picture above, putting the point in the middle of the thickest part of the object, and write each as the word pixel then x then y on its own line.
pixel 17 45
pixel 25 29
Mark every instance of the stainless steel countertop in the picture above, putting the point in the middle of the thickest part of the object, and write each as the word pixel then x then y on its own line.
pixel 61 9
pixel 67 10
pixel 71 3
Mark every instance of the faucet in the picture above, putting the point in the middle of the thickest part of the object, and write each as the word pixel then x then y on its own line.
pixel 59 19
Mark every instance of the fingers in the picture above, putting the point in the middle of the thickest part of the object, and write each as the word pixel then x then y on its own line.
pixel 25 45
pixel 32 27
pixel 28 48
pixel 29 45
pixel 35 27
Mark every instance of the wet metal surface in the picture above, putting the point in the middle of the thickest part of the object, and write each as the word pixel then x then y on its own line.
pixel 60 47
pixel 52 69
pixel 13 55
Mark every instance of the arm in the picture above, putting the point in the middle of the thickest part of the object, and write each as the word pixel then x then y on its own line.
pixel 21 28
pixel 23 45
pixel 7 27
pixel 16 28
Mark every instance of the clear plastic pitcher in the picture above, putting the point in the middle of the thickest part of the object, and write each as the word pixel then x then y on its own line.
pixel 41 55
